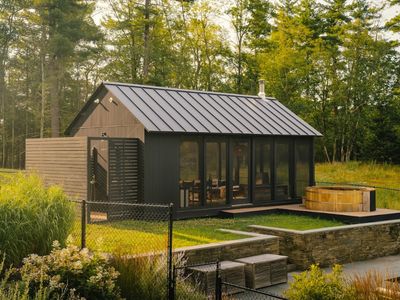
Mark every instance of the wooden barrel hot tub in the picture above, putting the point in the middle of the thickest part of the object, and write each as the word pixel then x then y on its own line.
pixel 340 198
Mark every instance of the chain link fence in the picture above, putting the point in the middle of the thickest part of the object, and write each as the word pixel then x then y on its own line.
pixel 215 281
pixel 138 240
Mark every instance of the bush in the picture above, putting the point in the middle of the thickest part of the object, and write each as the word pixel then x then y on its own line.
pixel 71 272
pixel 19 290
pixel 146 278
pixel 32 217
pixel 315 284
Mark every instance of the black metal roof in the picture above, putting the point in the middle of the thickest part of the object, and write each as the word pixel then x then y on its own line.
pixel 162 109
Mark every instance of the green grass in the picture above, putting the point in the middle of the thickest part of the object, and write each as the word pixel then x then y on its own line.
pixel 381 175
pixel 139 236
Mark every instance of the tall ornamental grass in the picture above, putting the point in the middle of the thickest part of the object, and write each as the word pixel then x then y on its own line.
pixel 32 217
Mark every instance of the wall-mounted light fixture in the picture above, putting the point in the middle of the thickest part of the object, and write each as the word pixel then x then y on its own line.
pixel 97 101
pixel 110 99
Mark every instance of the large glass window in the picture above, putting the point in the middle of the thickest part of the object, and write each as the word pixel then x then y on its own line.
pixel 189 178
pixel 282 160
pixel 240 172
pixel 263 170
pixel 215 163
pixel 302 166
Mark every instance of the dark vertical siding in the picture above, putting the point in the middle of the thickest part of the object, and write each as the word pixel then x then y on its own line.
pixel 125 170
pixel 161 171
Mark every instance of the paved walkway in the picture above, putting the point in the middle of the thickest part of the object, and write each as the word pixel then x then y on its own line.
pixel 384 265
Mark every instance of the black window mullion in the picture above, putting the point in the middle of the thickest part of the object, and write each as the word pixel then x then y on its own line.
pixel 273 168
pixel 202 168
pixel 252 171
pixel 292 168
pixel 312 162
pixel 229 171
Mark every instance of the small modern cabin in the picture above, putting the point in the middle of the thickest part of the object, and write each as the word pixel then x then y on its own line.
pixel 202 151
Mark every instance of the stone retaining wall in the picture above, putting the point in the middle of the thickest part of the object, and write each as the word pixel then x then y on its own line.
pixel 256 244
pixel 342 244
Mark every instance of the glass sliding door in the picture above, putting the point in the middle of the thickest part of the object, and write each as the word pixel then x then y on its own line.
pixel 282 171
pixel 215 170
pixel 189 177
pixel 303 164
pixel 263 156
pixel 240 171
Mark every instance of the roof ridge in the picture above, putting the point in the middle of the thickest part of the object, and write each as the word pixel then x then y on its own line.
pixel 185 90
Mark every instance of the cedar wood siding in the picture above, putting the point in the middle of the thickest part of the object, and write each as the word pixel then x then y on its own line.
pixel 61 161
pixel 113 118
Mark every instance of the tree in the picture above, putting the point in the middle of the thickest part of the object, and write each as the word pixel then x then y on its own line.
pixel 69 25
pixel 394 23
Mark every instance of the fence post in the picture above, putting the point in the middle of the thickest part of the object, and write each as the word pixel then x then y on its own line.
pixel 171 279
pixel 83 225
pixel 218 282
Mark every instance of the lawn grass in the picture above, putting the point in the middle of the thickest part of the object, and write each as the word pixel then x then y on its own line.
pixel 380 175
pixel 140 236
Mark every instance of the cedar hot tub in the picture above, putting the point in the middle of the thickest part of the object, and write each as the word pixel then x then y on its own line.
pixel 340 198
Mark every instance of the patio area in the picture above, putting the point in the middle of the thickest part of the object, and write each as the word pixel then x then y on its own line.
pixel 380 214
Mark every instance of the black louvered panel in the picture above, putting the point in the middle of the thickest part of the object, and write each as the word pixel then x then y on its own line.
pixel 125 170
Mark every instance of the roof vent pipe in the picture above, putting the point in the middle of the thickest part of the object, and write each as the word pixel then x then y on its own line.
pixel 261 89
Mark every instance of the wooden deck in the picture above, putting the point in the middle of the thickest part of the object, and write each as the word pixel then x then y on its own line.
pixel 381 214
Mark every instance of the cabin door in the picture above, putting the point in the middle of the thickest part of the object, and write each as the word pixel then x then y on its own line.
pixel 115 170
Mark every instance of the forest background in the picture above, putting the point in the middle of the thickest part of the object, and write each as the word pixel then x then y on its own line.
pixel 335 63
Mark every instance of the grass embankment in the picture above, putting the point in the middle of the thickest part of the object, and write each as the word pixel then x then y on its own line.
pixel 380 175
pixel 139 236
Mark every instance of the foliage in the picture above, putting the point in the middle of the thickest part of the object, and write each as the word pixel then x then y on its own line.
pixel 146 278
pixel 329 61
pixel 315 284
pixel 32 217
pixel 19 289
pixel 71 271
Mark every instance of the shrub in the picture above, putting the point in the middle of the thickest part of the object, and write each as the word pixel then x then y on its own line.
pixel 32 217
pixel 19 290
pixel 71 271
pixel 315 284
pixel 146 278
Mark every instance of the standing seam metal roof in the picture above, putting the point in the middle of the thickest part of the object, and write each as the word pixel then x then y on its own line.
pixel 173 110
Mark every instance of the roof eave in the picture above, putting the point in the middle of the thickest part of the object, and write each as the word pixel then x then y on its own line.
pixel 85 107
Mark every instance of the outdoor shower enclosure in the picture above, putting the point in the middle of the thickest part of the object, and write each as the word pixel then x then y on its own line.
pixel 202 151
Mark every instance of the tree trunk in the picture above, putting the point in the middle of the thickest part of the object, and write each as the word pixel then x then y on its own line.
pixel 3 114
pixel 146 38
pixel 54 96
pixel 43 90
pixel 239 67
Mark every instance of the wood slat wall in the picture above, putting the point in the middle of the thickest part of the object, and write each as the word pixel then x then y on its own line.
pixel 61 161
